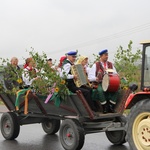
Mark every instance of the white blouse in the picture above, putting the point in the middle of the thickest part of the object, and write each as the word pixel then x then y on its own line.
pixel 26 78
pixel 92 72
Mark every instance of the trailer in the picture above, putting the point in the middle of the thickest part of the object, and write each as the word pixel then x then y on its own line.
pixel 73 118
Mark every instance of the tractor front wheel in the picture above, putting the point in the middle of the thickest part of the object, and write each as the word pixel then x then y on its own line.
pixel 138 129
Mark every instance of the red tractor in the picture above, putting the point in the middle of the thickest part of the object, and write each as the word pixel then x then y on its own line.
pixel 138 122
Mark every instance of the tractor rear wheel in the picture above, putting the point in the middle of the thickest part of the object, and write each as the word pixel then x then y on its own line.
pixel 138 128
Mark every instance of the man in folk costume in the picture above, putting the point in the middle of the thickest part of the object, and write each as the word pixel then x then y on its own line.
pixel 66 71
pixel 107 99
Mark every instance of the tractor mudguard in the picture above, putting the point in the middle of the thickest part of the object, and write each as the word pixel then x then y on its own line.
pixel 133 98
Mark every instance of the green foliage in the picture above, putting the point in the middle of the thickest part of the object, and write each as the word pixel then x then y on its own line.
pixel 126 64
pixel 49 81
pixel 48 77
pixel 96 58
pixel 1 68
pixel 12 76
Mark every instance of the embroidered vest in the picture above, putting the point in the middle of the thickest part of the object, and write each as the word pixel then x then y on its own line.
pixel 100 70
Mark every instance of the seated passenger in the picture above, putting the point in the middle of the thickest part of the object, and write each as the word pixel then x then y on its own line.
pixel 51 65
pixel 107 99
pixel 83 60
pixel 61 63
pixel 29 72
pixel 49 62
pixel 12 74
pixel 66 70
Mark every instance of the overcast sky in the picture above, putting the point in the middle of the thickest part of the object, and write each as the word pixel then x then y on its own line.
pixel 58 26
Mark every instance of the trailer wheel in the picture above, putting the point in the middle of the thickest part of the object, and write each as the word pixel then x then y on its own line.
pixel 51 126
pixel 138 129
pixel 10 127
pixel 71 135
pixel 117 137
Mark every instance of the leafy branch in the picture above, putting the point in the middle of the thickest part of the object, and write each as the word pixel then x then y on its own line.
pixel 126 63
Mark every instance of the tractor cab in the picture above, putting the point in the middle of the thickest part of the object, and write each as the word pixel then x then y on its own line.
pixel 145 70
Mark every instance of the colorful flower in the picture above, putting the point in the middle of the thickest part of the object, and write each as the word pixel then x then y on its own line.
pixel 62 82
pixel 125 88
pixel 56 89
pixel 19 80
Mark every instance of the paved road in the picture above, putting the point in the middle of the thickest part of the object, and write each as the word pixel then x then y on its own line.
pixel 33 137
pixel 3 108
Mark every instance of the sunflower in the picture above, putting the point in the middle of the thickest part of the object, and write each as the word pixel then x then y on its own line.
pixel 62 82
pixel 19 80
pixel 125 88
pixel 56 89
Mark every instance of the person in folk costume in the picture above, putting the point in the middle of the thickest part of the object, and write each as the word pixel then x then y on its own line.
pixel 53 67
pixel 83 60
pixel 29 72
pixel 49 62
pixel 107 99
pixel 59 67
pixel 66 71
pixel 12 74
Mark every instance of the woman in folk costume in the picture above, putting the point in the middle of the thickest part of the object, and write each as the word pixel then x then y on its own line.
pixel 29 72
pixel 107 99
pixel 59 67
pixel 83 60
